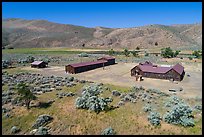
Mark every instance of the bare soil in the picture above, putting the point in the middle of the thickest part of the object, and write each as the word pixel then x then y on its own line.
pixel 119 74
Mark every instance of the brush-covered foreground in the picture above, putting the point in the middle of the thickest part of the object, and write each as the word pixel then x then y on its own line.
pixel 127 118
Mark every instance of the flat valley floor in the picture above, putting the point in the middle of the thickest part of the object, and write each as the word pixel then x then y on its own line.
pixel 119 74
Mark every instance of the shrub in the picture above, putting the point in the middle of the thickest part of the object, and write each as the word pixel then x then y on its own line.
pixel 198 107
pixel 90 100
pixel 42 120
pixel 108 131
pixel 197 54
pixel 154 118
pixel 30 59
pixel 157 92
pixel 83 55
pixel 10 47
pixel 156 44
pixel 46 60
pixel 116 93
pixel 6 64
pixel 147 108
pixel 14 130
pixel 136 89
pixel 111 52
pixel 146 54
pixel 173 100
pixel 71 78
pixel 41 131
pixel 135 53
pixel 126 52
pixel 180 114
pixel 137 48
pixel 190 58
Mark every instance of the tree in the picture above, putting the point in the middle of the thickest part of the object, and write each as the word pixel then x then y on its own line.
pixel 137 48
pixel 25 94
pixel 126 52
pixel 135 53
pixel 111 52
pixel 146 54
pixel 169 53
pixel 197 54
pixel 30 59
pixel 156 44
pixel 176 53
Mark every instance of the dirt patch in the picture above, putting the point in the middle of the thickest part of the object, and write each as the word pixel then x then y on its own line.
pixel 119 74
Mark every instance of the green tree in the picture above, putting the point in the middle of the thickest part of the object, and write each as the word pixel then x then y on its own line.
pixel 168 52
pixel 176 53
pixel 190 58
pixel 126 52
pixel 111 52
pixel 30 59
pixel 197 54
pixel 25 94
pixel 146 54
pixel 135 53
pixel 137 48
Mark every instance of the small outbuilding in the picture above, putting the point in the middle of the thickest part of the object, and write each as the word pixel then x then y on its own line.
pixel 39 64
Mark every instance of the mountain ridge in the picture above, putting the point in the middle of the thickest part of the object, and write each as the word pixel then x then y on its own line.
pixel 20 33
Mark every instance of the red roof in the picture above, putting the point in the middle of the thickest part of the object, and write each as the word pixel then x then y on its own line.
pixel 161 70
pixel 148 68
pixel 146 63
pixel 178 68
pixel 106 57
pixel 87 63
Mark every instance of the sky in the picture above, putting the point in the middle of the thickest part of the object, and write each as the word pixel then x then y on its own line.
pixel 107 14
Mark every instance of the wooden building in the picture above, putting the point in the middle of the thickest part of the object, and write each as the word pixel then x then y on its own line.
pixel 39 64
pixel 149 70
pixel 86 66
pixel 110 60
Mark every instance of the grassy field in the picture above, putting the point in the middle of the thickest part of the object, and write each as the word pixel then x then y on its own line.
pixel 62 50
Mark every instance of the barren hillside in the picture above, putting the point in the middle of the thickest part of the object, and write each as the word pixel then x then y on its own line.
pixel 40 33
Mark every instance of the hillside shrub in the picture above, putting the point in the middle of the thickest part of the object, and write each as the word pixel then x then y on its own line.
pixel 90 99
pixel 42 120
pixel 147 108
pixel 108 131
pixel 156 91
pixel 126 52
pixel 111 52
pixel 190 58
pixel 83 55
pixel 5 64
pixel 41 131
pixel 197 53
pixel 154 118
pixel 137 89
pixel 173 100
pixel 181 114
pixel 14 130
pixel 30 59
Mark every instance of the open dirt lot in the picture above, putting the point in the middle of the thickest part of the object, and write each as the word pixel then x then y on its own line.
pixel 119 74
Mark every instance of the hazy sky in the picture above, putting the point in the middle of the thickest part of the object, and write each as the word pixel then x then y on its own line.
pixel 107 14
